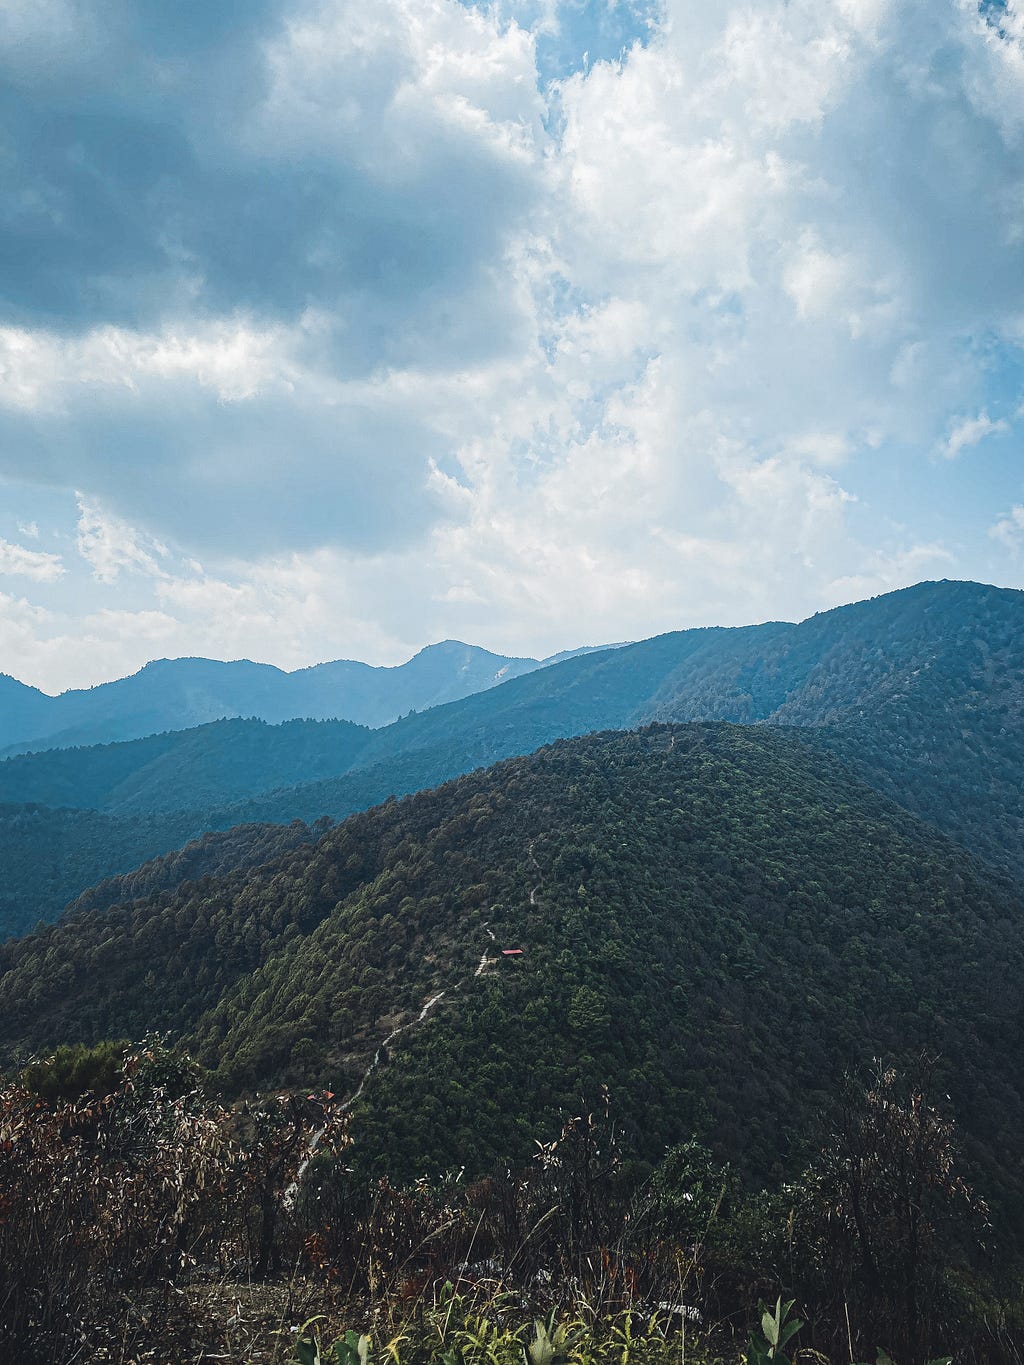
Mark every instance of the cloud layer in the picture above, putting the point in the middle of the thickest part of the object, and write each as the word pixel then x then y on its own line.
pixel 356 326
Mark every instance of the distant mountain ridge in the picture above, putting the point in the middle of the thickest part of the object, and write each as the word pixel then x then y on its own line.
pixel 919 692
pixel 202 768
pixel 178 694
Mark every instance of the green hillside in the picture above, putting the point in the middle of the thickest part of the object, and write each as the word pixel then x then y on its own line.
pixel 920 692
pixel 48 856
pixel 80 816
pixel 716 921
pixel 215 854
pixel 207 766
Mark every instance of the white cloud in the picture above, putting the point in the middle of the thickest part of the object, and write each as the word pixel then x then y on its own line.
pixel 231 358
pixel 592 361
pixel 296 610
pixel 885 572
pixel 814 279
pixel 965 432
pixel 37 564
pixel 821 447
pixel 1009 529
pixel 381 83
pixel 110 546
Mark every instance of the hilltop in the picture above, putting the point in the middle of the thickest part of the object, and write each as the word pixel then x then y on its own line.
pixel 919 692
pixel 717 920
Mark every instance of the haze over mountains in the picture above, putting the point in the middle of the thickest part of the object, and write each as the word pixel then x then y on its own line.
pixel 920 692
pixel 174 694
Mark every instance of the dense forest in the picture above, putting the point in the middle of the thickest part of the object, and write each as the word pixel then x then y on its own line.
pixel 210 765
pixel 641 1033
pixel 716 921
pixel 49 855
pixel 919 691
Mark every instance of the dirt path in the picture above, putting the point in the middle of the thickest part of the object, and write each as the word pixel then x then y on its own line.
pixel 485 961
pixel 535 889
pixel 292 1191
pixel 390 1038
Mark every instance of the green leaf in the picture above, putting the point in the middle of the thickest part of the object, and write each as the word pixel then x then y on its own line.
pixel 789 1330
pixel 770 1327
pixel 347 1349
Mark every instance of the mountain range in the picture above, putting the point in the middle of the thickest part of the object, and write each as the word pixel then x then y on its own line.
pixel 175 694
pixel 710 871
pixel 919 692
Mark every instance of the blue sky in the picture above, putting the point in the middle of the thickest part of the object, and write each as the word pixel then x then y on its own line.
pixel 331 329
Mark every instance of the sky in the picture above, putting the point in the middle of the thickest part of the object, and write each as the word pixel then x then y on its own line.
pixel 330 329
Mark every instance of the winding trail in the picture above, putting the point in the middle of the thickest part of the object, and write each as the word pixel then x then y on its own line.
pixel 485 961
pixel 391 1036
pixel 292 1190
pixel 314 1142
pixel 540 874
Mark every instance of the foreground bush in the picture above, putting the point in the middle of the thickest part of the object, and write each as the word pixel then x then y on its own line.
pixel 117 1209
pixel 118 1195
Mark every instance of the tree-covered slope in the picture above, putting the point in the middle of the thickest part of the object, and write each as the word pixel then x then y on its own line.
pixel 608 689
pixel 207 766
pixel 214 854
pixel 22 708
pixel 715 921
pixel 48 855
pixel 920 691
pixel 79 816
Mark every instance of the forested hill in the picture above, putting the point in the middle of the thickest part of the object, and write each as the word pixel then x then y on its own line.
pixel 920 691
pixel 205 767
pixel 81 816
pixel 715 921
pixel 49 855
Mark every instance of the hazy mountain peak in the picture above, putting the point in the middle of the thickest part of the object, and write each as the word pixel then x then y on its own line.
pixel 175 694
